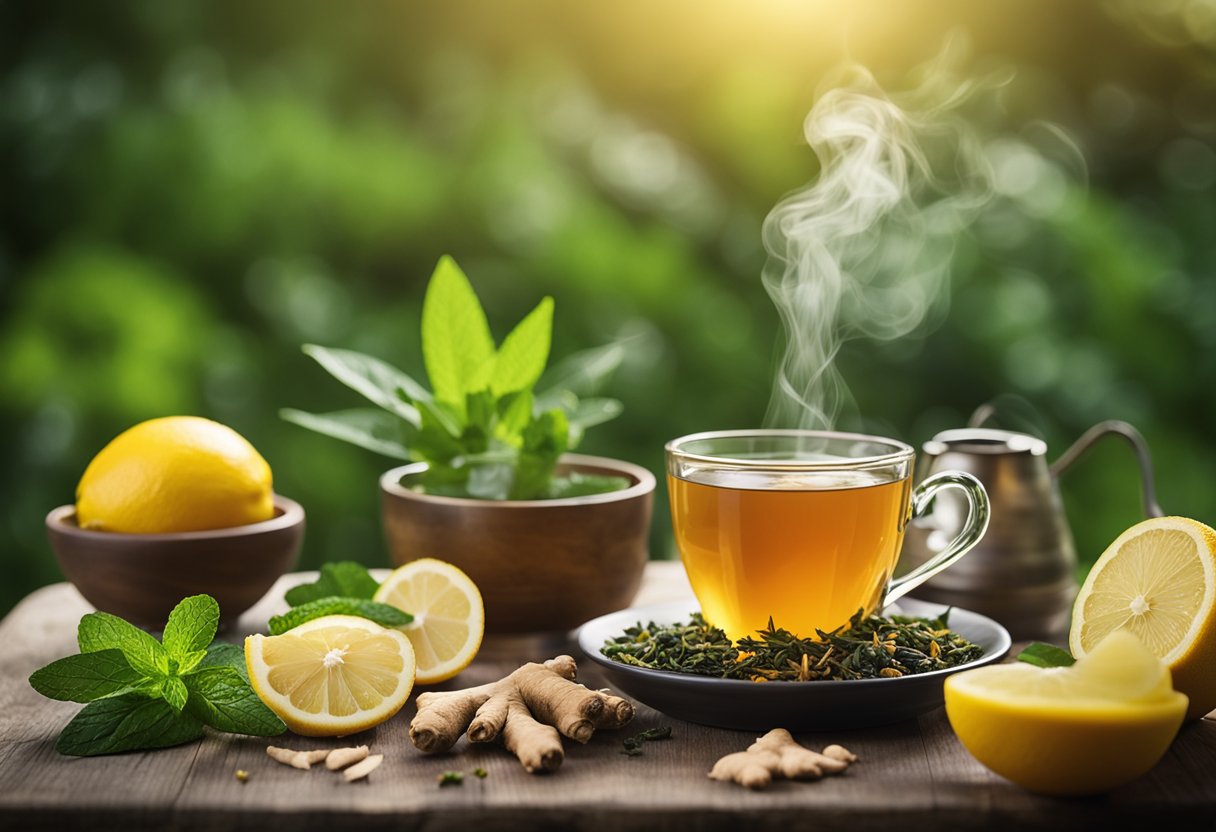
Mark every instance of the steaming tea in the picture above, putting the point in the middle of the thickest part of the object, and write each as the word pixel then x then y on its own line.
pixel 804 527
pixel 807 557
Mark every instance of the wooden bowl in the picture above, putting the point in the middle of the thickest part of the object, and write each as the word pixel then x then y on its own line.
pixel 542 566
pixel 141 577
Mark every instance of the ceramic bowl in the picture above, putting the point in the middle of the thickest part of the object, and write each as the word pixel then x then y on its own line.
pixel 543 566
pixel 141 577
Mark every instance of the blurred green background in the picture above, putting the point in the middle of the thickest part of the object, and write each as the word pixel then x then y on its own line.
pixel 192 190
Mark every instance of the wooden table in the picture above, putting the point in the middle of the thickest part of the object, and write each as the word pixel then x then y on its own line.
pixel 913 776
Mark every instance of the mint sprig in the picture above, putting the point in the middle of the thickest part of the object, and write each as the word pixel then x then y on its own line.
pixel 141 693
pixel 344 579
pixel 483 428
pixel 386 615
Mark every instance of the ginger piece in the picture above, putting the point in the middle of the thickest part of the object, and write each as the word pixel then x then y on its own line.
pixel 343 757
pixel 362 768
pixel 777 754
pixel 529 710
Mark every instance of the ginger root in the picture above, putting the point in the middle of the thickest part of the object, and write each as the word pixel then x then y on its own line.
pixel 529 710
pixel 777 754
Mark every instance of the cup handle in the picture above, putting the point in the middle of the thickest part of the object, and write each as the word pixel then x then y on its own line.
pixel 973 529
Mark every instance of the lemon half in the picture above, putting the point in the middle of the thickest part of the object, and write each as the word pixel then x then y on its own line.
pixel 1076 730
pixel 449 617
pixel 1157 580
pixel 332 676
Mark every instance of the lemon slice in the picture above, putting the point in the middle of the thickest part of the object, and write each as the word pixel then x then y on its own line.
pixel 1158 580
pixel 449 618
pixel 332 676
pixel 1076 730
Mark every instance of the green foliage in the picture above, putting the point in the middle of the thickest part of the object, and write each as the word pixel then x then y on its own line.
pixel 143 693
pixel 386 615
pixel 481 430
pixel 1042 654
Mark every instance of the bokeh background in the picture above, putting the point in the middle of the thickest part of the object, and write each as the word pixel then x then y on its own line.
pixel 192 190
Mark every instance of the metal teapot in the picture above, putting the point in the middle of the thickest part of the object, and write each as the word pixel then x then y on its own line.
pixel 1023 573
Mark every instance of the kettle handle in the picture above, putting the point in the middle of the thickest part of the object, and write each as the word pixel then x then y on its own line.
pixel 1133 437
pixel 1112 426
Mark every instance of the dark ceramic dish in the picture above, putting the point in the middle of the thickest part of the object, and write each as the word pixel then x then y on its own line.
pixel 797 706
pixel 141 577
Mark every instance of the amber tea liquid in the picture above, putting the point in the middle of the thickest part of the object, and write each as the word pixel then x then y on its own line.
pixel 808 554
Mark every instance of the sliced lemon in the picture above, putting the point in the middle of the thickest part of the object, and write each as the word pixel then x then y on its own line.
pixel 1158 580
pixel 449 617
pixel 1077 730
pixel 332 676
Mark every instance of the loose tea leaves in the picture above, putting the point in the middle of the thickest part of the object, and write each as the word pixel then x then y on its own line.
pixel 869 647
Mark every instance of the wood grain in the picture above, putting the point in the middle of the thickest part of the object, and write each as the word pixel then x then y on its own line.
pixel 912 776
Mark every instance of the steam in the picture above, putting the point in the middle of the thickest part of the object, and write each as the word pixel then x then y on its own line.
pixel 865 250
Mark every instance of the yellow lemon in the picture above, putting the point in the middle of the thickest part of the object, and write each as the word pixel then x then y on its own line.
pixel 1158 580
pixel 449 618
pixel 332 676
pixel 175 474
pixel 1076 730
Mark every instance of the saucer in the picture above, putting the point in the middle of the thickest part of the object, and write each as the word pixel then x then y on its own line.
pixel 821 705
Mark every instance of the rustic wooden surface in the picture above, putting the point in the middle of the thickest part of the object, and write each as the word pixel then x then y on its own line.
pixel 913 776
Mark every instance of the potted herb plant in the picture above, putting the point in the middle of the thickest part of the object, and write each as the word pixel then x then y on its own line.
pixel 552 538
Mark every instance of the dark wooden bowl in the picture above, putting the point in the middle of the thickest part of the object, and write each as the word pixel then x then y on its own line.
pixel 542 566
pixel 141 577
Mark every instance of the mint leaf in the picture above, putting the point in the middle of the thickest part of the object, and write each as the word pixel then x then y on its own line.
pixel 223 654
pixel 191 627
pixel 587 413
pixel 524 352
pixel 222 698
pixel 102 631
pixel 374 430
pixel 346 579
pixel 126 723
pixel 456 338
pixel 173 690
pixel 86 676
pixel 1046 655
pixel 584 373
pixel 378 382
pixel 386 615
pixel 516 413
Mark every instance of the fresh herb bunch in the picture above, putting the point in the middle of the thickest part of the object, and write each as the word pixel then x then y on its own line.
pixel 868 647
pixel 481 429
pixel 342 588
pixel 142 693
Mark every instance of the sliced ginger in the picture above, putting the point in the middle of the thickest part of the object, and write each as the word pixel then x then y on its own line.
pixel 530 710
pixel 776 754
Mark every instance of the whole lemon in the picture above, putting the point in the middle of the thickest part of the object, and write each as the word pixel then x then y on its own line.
pixel 175 474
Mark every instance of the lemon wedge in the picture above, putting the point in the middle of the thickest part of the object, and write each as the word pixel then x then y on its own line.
pixel 332 676
pixel 449 617
pixel 1076 730
pixel 1157 580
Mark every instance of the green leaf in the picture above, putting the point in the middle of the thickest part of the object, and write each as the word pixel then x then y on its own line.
pixel 173 690
pixel 374 430
pixel 1046 655
pixel 102 631
pixel 222 698
pixel 191 627
pixel 583 373
pixel 580 485
pixel 456 338
pixel 524 352
pixel 590 412
pixel 386 615
pixel 544 441
pixel 129 722
pixel 86 676
pixel 346 578
pixel 516 414
pixel 223 654
pixel 378 382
